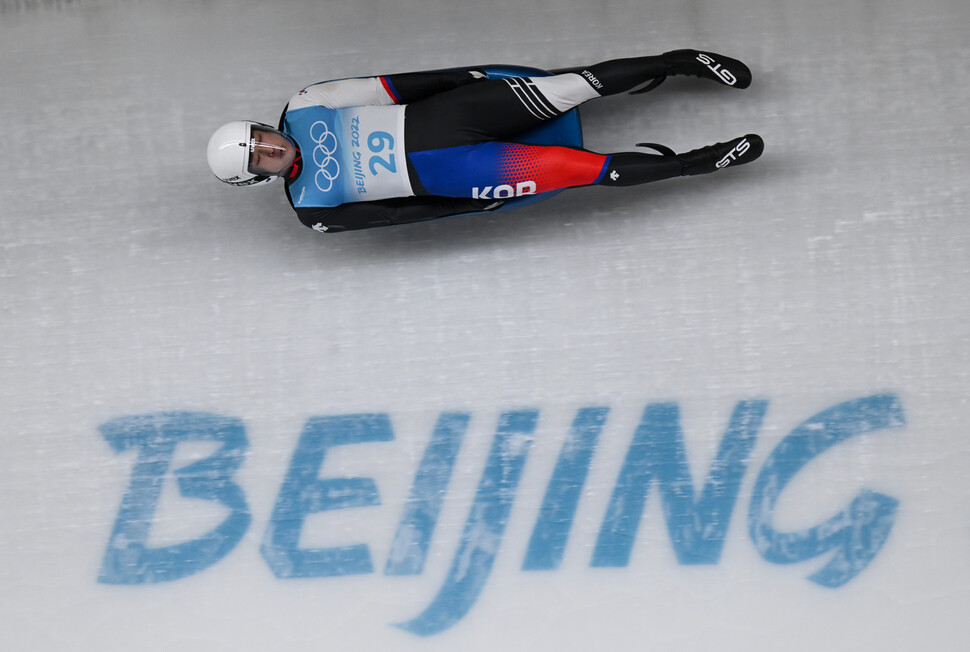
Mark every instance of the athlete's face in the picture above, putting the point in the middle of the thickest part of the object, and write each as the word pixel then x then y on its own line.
pixel 272 153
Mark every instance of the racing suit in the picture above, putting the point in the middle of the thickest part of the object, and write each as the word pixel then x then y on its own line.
pixel 409 147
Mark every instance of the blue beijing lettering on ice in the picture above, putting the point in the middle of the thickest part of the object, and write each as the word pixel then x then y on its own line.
pixel 127 559
pixel 858 532
pixel 697 528
pixel 485 527
pixel 413 539
pixel 548 542
pixel 304 493
pixel 697 525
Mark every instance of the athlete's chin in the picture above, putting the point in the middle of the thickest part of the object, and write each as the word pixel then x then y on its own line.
pixel 282 167
pixel 287 165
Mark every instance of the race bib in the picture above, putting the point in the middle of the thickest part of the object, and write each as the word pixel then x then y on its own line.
pixel 349 155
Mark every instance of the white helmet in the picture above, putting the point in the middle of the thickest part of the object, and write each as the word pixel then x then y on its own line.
pixel 228 153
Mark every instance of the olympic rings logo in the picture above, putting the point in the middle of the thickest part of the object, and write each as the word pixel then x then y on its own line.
pixel 323 155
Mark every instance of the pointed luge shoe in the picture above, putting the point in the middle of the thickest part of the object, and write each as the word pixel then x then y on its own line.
pixel 721 155
pixel 708 65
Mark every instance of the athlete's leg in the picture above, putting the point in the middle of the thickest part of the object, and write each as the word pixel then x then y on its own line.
pixel 621 75
pixel 500 170
pixel 498 109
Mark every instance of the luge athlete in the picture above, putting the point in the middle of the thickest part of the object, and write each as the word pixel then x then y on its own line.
pixel 374 151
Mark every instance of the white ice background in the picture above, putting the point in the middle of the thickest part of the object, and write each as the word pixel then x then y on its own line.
pixel 835 268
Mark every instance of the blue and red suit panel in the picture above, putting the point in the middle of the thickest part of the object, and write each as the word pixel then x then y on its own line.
pixel 495 170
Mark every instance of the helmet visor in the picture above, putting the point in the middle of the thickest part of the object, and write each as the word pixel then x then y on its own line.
pixel 271 152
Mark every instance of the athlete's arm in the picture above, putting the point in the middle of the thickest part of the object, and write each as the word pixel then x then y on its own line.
pixel 401 88
pixel 386 212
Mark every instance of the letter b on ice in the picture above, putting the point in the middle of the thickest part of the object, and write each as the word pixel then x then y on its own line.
pixel 128 559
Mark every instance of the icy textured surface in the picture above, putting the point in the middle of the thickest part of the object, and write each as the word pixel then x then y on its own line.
pixel 836 268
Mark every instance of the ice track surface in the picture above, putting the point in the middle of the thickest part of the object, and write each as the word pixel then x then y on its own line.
pixel 718 413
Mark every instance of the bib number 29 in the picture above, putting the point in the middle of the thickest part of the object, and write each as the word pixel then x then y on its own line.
pixel 378 141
